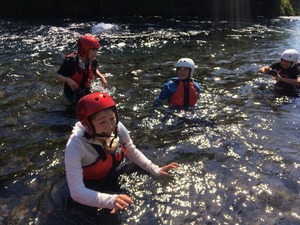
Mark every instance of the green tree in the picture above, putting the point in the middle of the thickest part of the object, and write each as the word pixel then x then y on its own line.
pixel 286 8
pixel 296 6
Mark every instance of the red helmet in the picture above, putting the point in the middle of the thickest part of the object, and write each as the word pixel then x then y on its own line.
pixel 85 43
pixel 89 105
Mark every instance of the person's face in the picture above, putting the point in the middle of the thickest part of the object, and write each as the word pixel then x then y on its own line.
pixel 285 64
pixel 104 122
pixel 183 73
pixel 92 53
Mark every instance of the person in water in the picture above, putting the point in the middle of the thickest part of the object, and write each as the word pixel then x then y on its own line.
pixel 182 90
pixel 286 72
pixel 95 150
pixel 79 68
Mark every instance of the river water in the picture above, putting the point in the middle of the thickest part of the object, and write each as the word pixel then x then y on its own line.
pixel 238 148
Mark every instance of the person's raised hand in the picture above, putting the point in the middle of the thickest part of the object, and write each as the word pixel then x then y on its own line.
pixel 164 171
pixel 122 201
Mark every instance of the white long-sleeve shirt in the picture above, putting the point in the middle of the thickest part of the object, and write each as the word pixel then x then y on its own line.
pixel 79 152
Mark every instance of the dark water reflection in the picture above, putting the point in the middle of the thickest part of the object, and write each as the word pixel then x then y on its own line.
pixel 239 148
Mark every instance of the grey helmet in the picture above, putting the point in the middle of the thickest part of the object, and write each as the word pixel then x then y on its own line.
pixel 290 55
pixel 186 62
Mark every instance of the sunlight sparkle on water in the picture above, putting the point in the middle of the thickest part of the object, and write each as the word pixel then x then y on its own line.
pixel 227 216
pixel 269 209
pixel 32 181
pixel 54 163
pixel 42 153
pixel 233 154
pixel 182 203
pixel 262 188
pixel 205 143
pixel 296 215
pixel 253 174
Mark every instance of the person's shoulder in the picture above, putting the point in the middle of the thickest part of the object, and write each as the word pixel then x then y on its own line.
pixel 69 65
pixel 123 132
pixel 173 80
pixel 72 57
pixel 275 65
pixel 297 67
pixel 195 83
pixel 78 131
pixel 193 80
pixel 121 128
pixel 121 125
pixel 170 81
pixel 74 145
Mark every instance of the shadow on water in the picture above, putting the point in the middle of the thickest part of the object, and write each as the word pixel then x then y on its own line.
pixel 238 148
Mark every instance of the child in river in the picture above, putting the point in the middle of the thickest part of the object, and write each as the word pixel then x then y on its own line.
pixel 79 69
pixel 96 148
pixel 286 73
pixel 181 90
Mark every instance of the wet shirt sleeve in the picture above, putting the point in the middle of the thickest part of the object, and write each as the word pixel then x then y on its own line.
pixel 197 87
pixel 135 155
pixel 74 153
pixel 298 69
pixel 166 93
pixel 276 66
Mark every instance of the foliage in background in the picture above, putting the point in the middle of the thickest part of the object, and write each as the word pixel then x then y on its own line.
pixel 204 9
pixel 286 8
pixel 296 6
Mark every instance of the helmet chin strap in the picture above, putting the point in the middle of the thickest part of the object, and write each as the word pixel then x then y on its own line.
pixel 112 142
pixel 106 135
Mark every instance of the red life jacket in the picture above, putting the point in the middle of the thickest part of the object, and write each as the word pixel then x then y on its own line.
pixel 185 94
pixel 105 163
pixel 80 73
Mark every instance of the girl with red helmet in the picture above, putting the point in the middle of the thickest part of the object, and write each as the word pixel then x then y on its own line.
pixel 286 73
pixel 79 69
pixel 95 150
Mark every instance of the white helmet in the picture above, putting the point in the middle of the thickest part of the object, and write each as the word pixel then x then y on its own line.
pixel 291 55
pixel 186 62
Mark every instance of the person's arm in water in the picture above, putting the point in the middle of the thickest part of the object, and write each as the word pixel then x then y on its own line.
pixel 102 78
pixel 295 82
pixel 165 93
pixel 66 70
pixel 278 78
pixel 265 69
pixel 137 157
pixel 71 83
pixel 197 87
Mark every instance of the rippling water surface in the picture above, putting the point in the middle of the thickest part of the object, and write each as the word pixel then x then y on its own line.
pixel 238 149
